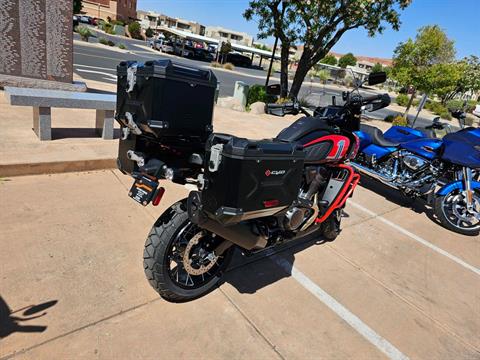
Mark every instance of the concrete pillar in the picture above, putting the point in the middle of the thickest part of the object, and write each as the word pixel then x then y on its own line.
pixel 104 121
pixel 42 123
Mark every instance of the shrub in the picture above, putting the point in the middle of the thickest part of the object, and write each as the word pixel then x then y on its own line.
pixel 215 64
pixel 257 93
pixel 304 102
pixel 135 30
pixel 229 66
pixel 108 28
pixel 402 99
pixel 122 46
pixel 103 41
pixel 84 32
pixel 389 118
pixel 399 120
pixel 459 105
pixel 282 100
pixel 110 43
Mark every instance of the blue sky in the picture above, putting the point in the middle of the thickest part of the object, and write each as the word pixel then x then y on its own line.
pixel 459 18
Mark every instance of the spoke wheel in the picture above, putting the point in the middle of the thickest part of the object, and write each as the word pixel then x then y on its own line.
pixel 178 259
pixel 452 211
pixel 190 260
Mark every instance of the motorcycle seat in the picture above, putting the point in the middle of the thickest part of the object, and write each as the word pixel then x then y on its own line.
pixel 377 137
pixel 303 127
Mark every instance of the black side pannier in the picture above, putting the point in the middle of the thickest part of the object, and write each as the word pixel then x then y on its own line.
pixel 166 99
pixel 165 111
pixel 246 179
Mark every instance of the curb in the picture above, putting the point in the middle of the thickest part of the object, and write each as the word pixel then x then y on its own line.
pixel 55 167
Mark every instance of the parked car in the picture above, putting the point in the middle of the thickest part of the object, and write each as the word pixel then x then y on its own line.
pixel 203 55
pixel 167 47
pixel 85 19
pixel 156 44
pixel 75 21
pixel 476 111
pixel 238 59
pixel 186 51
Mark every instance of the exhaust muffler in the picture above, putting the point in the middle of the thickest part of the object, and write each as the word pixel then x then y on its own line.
pixel 241 234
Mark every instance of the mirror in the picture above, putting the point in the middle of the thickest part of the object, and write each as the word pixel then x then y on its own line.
pixel 377 78
pixel 273 89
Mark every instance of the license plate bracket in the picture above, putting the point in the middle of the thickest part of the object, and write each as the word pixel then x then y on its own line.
pixel 143 189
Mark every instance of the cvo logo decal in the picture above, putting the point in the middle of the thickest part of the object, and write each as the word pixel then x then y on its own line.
pixel 274 172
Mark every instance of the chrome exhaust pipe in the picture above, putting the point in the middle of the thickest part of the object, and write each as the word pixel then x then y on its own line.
pixel 387 180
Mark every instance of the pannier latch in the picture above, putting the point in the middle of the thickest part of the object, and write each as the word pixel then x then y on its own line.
pixel 131 77
pixel 215 157
pixel 131 127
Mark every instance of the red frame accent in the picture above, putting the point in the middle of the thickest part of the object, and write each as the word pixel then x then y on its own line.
pixel 347 190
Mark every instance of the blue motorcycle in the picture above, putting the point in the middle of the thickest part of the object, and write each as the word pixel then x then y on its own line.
pixel 445 171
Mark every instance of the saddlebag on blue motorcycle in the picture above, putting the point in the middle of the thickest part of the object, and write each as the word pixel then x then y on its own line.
pixel 247 179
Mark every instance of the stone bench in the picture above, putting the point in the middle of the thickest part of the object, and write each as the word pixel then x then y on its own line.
pixel 43 100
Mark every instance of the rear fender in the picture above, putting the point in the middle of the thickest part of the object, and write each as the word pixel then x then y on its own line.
pixel 456 185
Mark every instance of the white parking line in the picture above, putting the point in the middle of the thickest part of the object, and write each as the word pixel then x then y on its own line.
pixel 363 329
pixel 114 77
pixel 95 67
pixel 417 238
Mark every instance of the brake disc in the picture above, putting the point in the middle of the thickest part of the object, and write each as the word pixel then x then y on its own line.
pixel 459 210
pixel 188 261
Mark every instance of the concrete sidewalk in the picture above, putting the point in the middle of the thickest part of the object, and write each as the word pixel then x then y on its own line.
pixel 71 254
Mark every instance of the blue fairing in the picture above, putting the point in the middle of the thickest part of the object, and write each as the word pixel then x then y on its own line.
pixel 428 148
pixel 378 151
pixel 364 138
pixel 463 148
pixel 456 185
pixel 402 134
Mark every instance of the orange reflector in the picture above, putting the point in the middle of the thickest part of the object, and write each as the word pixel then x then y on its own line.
pixel 271 203
pixel 158 196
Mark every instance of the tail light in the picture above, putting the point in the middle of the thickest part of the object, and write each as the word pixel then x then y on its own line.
pixel 355 148
pixel 158 196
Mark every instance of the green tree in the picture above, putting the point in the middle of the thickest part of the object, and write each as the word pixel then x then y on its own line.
pixel 347 60
pixel 329 60
pixel 413 59
pixel 318 25
pixel 77 6
pixel 149 33
pixel 135 30
pixel 470 80
pixel 377 68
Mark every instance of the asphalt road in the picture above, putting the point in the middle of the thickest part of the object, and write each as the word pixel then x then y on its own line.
pixel 100 64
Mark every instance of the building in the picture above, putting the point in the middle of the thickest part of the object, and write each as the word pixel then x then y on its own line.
pixel 223 34
pixel 115 9
pixel 150 19
pixel 365 63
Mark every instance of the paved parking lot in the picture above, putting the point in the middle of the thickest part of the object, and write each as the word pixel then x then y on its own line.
pixel 393 285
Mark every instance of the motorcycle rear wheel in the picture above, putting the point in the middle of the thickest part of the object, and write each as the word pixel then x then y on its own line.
pixel 172 240
pixel 452 215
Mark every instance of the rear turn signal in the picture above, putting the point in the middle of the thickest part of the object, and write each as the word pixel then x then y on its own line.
pixel 270 203
pixel 158 196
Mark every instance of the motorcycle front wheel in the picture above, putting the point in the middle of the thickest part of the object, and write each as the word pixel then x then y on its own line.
pixel 178 258
pixel 451 210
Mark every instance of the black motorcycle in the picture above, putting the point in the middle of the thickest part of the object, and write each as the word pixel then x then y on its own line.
pixel 251 194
